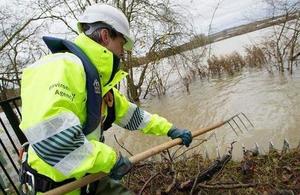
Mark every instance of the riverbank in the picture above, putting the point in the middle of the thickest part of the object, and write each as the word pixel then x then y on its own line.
pixel 275 173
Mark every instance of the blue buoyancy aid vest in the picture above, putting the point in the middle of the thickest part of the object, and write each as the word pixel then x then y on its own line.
pixel 93 85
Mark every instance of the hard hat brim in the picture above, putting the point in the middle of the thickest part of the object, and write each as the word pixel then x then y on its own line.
pixel 129 43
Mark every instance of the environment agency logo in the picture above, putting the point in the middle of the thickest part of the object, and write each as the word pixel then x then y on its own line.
pixel 97 87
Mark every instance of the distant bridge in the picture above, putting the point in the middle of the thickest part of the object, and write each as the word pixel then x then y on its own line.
pixel 201 40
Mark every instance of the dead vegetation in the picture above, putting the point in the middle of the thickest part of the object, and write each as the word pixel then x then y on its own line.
pixel 229 64
pixel 234 62
pixel 275 173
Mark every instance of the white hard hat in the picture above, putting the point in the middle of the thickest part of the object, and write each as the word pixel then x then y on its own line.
pixel 109 15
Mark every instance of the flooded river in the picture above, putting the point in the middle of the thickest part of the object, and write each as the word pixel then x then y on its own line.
pixel 271 102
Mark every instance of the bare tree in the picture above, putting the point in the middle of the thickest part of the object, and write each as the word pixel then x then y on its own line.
pixel 18 45
pixel 156 25
pixel 283 45
pixel 211 22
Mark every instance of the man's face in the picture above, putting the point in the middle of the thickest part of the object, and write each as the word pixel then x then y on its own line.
pixel 115 45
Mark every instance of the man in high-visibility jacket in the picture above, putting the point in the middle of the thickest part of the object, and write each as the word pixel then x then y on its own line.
pixel 66 107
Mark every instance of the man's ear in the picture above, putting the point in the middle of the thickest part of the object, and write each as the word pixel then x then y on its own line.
pixel 104 36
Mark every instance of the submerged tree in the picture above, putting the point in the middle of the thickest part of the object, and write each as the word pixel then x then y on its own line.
pixel 282 47
pixel 156 25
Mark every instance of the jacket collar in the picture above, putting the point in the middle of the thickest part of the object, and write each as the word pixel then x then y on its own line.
pixel 106 63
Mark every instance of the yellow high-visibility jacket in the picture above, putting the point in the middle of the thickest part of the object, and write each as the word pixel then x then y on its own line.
pixel 53 93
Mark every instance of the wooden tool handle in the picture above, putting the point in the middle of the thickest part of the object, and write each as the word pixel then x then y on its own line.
pixel 134 159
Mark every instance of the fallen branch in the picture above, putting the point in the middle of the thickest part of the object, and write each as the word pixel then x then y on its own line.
pixel 229 186
pixel 172 185
pixel 190 148
pixel 147 182
pixel 195 182
pixel 122 146
pixel 207 174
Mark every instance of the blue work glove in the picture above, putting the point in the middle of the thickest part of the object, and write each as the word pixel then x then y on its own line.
pixel 184 134
pixel 121 168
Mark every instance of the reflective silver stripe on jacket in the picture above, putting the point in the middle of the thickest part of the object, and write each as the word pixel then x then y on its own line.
pixel 60 142
pixel 135 118
pixel 55 148
pixel 51 127
pixel 75 158
pixel 57 56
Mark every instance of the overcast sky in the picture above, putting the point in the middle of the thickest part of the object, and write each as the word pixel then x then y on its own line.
pixel 229 13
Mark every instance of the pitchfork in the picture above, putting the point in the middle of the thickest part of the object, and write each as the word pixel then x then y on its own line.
pixel 148 153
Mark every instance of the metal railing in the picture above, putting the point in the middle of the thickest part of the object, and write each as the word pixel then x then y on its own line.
pixel 11 138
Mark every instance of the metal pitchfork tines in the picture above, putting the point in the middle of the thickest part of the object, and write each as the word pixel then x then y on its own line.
pixel 285 146
pixel 271 146
pixel 237 122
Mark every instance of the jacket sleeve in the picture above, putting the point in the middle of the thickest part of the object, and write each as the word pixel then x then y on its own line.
pixel 65 150
pixel 132 117
pixel 53 111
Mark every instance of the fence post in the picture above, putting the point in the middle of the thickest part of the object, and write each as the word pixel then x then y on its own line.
pixel 13 120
